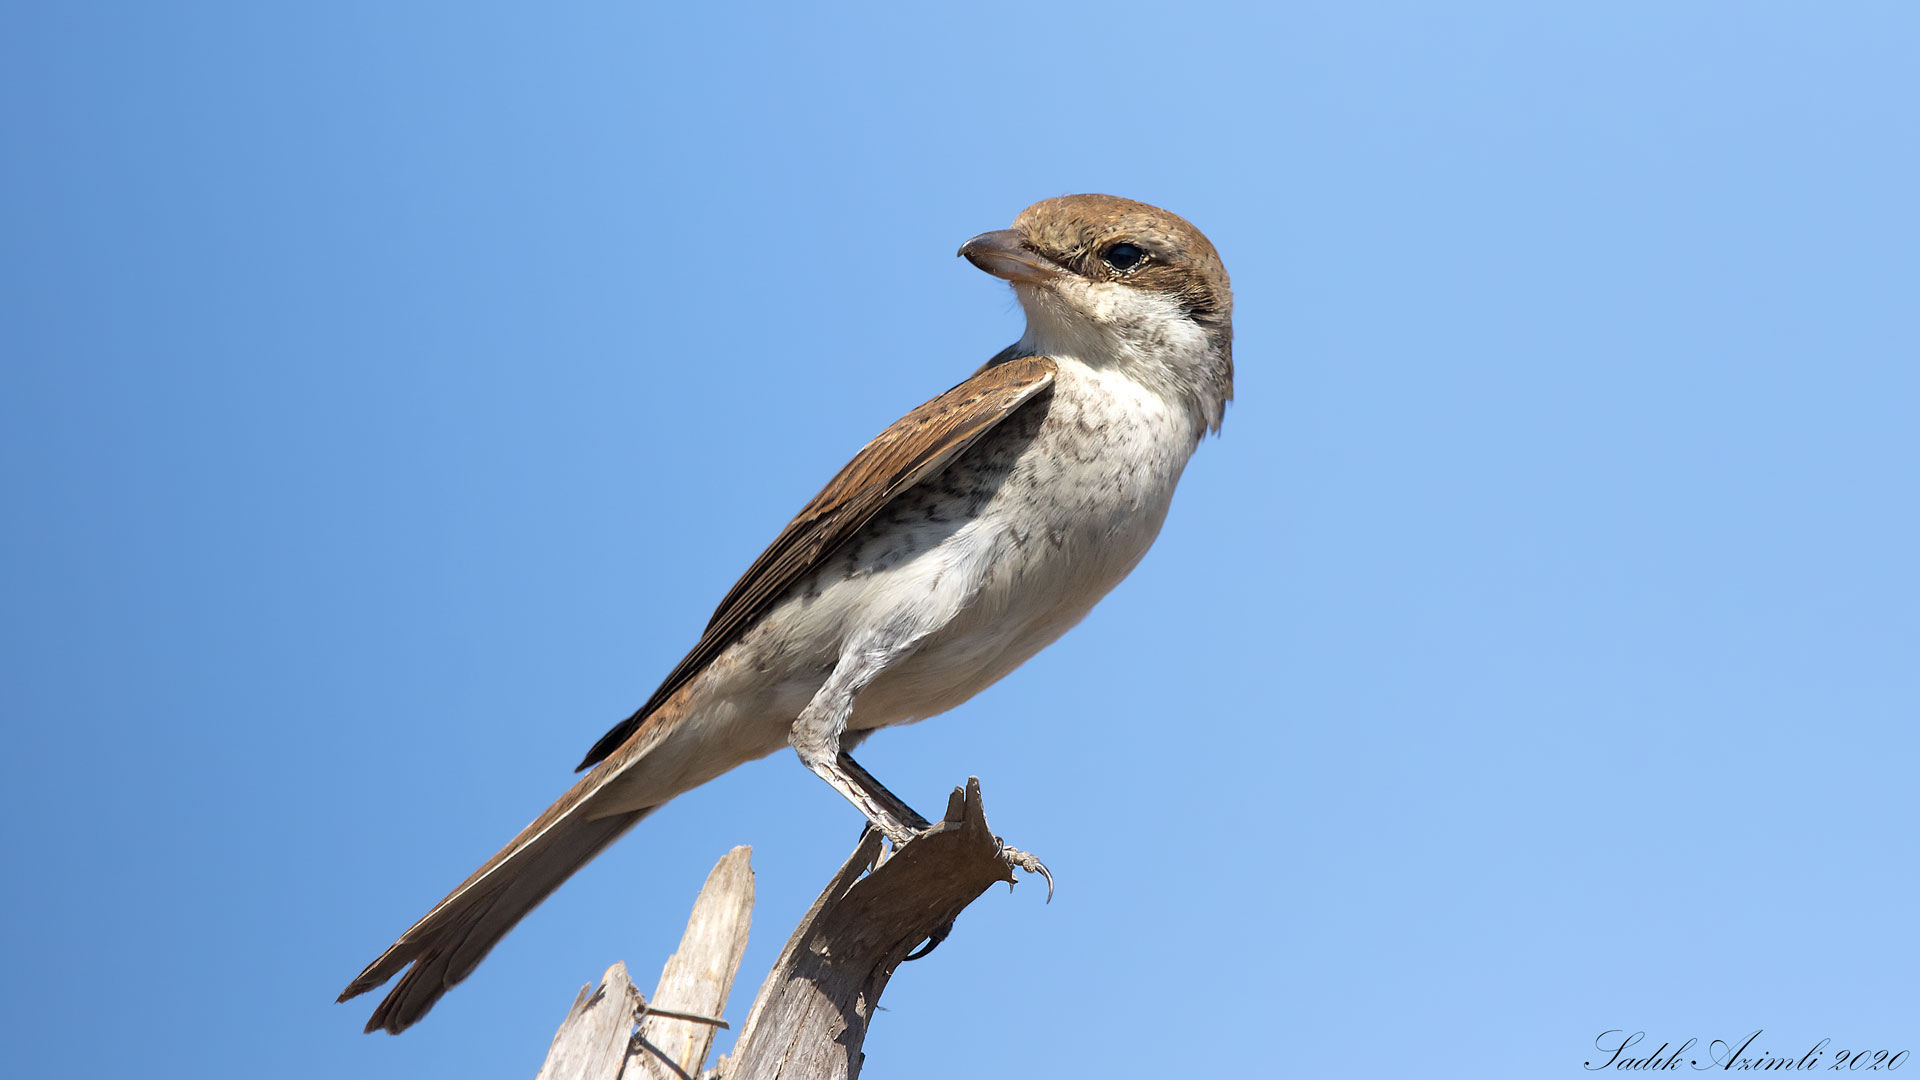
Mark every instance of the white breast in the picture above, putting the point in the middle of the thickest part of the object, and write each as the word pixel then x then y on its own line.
pixel 978 583
pixel 1080 507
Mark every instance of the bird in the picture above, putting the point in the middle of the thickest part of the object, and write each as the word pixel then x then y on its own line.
pixel 959 542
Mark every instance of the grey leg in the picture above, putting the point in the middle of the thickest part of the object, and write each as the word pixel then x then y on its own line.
pixel 879 793
pixel 818 731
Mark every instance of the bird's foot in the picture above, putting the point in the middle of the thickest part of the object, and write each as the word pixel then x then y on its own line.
pixel 899 834
pixel 1015 858
pixel 896 836
pixel 1024 861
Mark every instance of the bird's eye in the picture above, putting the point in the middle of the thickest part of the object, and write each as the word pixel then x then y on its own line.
pixel 1124 256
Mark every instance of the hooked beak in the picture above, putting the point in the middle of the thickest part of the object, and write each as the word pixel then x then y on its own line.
pixel 1004 254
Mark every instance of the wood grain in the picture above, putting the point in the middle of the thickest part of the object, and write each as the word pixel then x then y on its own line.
pixel 698 976
pixel 598 1039
pixel 812 1014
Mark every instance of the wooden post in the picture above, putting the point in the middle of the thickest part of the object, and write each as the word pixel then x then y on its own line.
pixel 598 1041
pixel 697 977
pixel 811 1016
pixel 812 1013
pixel 592 1041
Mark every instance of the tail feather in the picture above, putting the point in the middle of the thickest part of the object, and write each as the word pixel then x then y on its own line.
pixel 450 941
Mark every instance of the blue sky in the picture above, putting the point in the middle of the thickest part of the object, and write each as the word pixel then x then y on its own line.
pixel 390 391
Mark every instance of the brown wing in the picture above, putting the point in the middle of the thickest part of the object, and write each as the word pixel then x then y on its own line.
pixel 915 448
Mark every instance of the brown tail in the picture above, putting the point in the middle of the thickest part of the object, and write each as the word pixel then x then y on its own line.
pixel 450 941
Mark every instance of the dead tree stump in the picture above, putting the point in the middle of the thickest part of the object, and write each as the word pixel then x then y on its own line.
pixel 614 1033
pixel 811 1016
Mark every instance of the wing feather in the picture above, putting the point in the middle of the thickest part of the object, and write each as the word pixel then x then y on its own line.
pixel 916 448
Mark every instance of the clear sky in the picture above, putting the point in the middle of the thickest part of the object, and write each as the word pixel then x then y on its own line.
pixel 391 390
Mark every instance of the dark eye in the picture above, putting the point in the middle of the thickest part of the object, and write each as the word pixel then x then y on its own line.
pixel 1124 256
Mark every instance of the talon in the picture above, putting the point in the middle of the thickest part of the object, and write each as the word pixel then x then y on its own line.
pixel 1028 863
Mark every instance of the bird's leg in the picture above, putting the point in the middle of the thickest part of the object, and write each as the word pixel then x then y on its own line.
pixel 878 793
pixel 817 734
pixel 877 790
pixel 895 819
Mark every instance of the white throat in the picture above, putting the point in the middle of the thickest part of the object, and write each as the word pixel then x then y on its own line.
pixel 1145 336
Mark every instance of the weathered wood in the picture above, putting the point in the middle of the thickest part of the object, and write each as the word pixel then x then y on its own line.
pixel 698 976
pixel 592 1041
pixel 811 1016
pixel 598 1040
pixel 812 1013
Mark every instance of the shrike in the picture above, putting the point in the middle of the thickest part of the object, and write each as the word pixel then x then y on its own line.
pixel 961 541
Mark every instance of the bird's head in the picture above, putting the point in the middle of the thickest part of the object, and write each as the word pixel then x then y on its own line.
pixel 1113 282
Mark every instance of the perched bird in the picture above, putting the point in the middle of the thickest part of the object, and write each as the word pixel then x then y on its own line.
pixel 961 541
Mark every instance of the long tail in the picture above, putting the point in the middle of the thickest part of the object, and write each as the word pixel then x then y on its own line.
pixel 450 941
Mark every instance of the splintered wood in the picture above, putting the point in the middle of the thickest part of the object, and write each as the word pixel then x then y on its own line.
pixel 697 977
pixel 811 1016
pixel 598 1040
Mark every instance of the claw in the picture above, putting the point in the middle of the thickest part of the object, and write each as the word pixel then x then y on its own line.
pixel 1027 862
